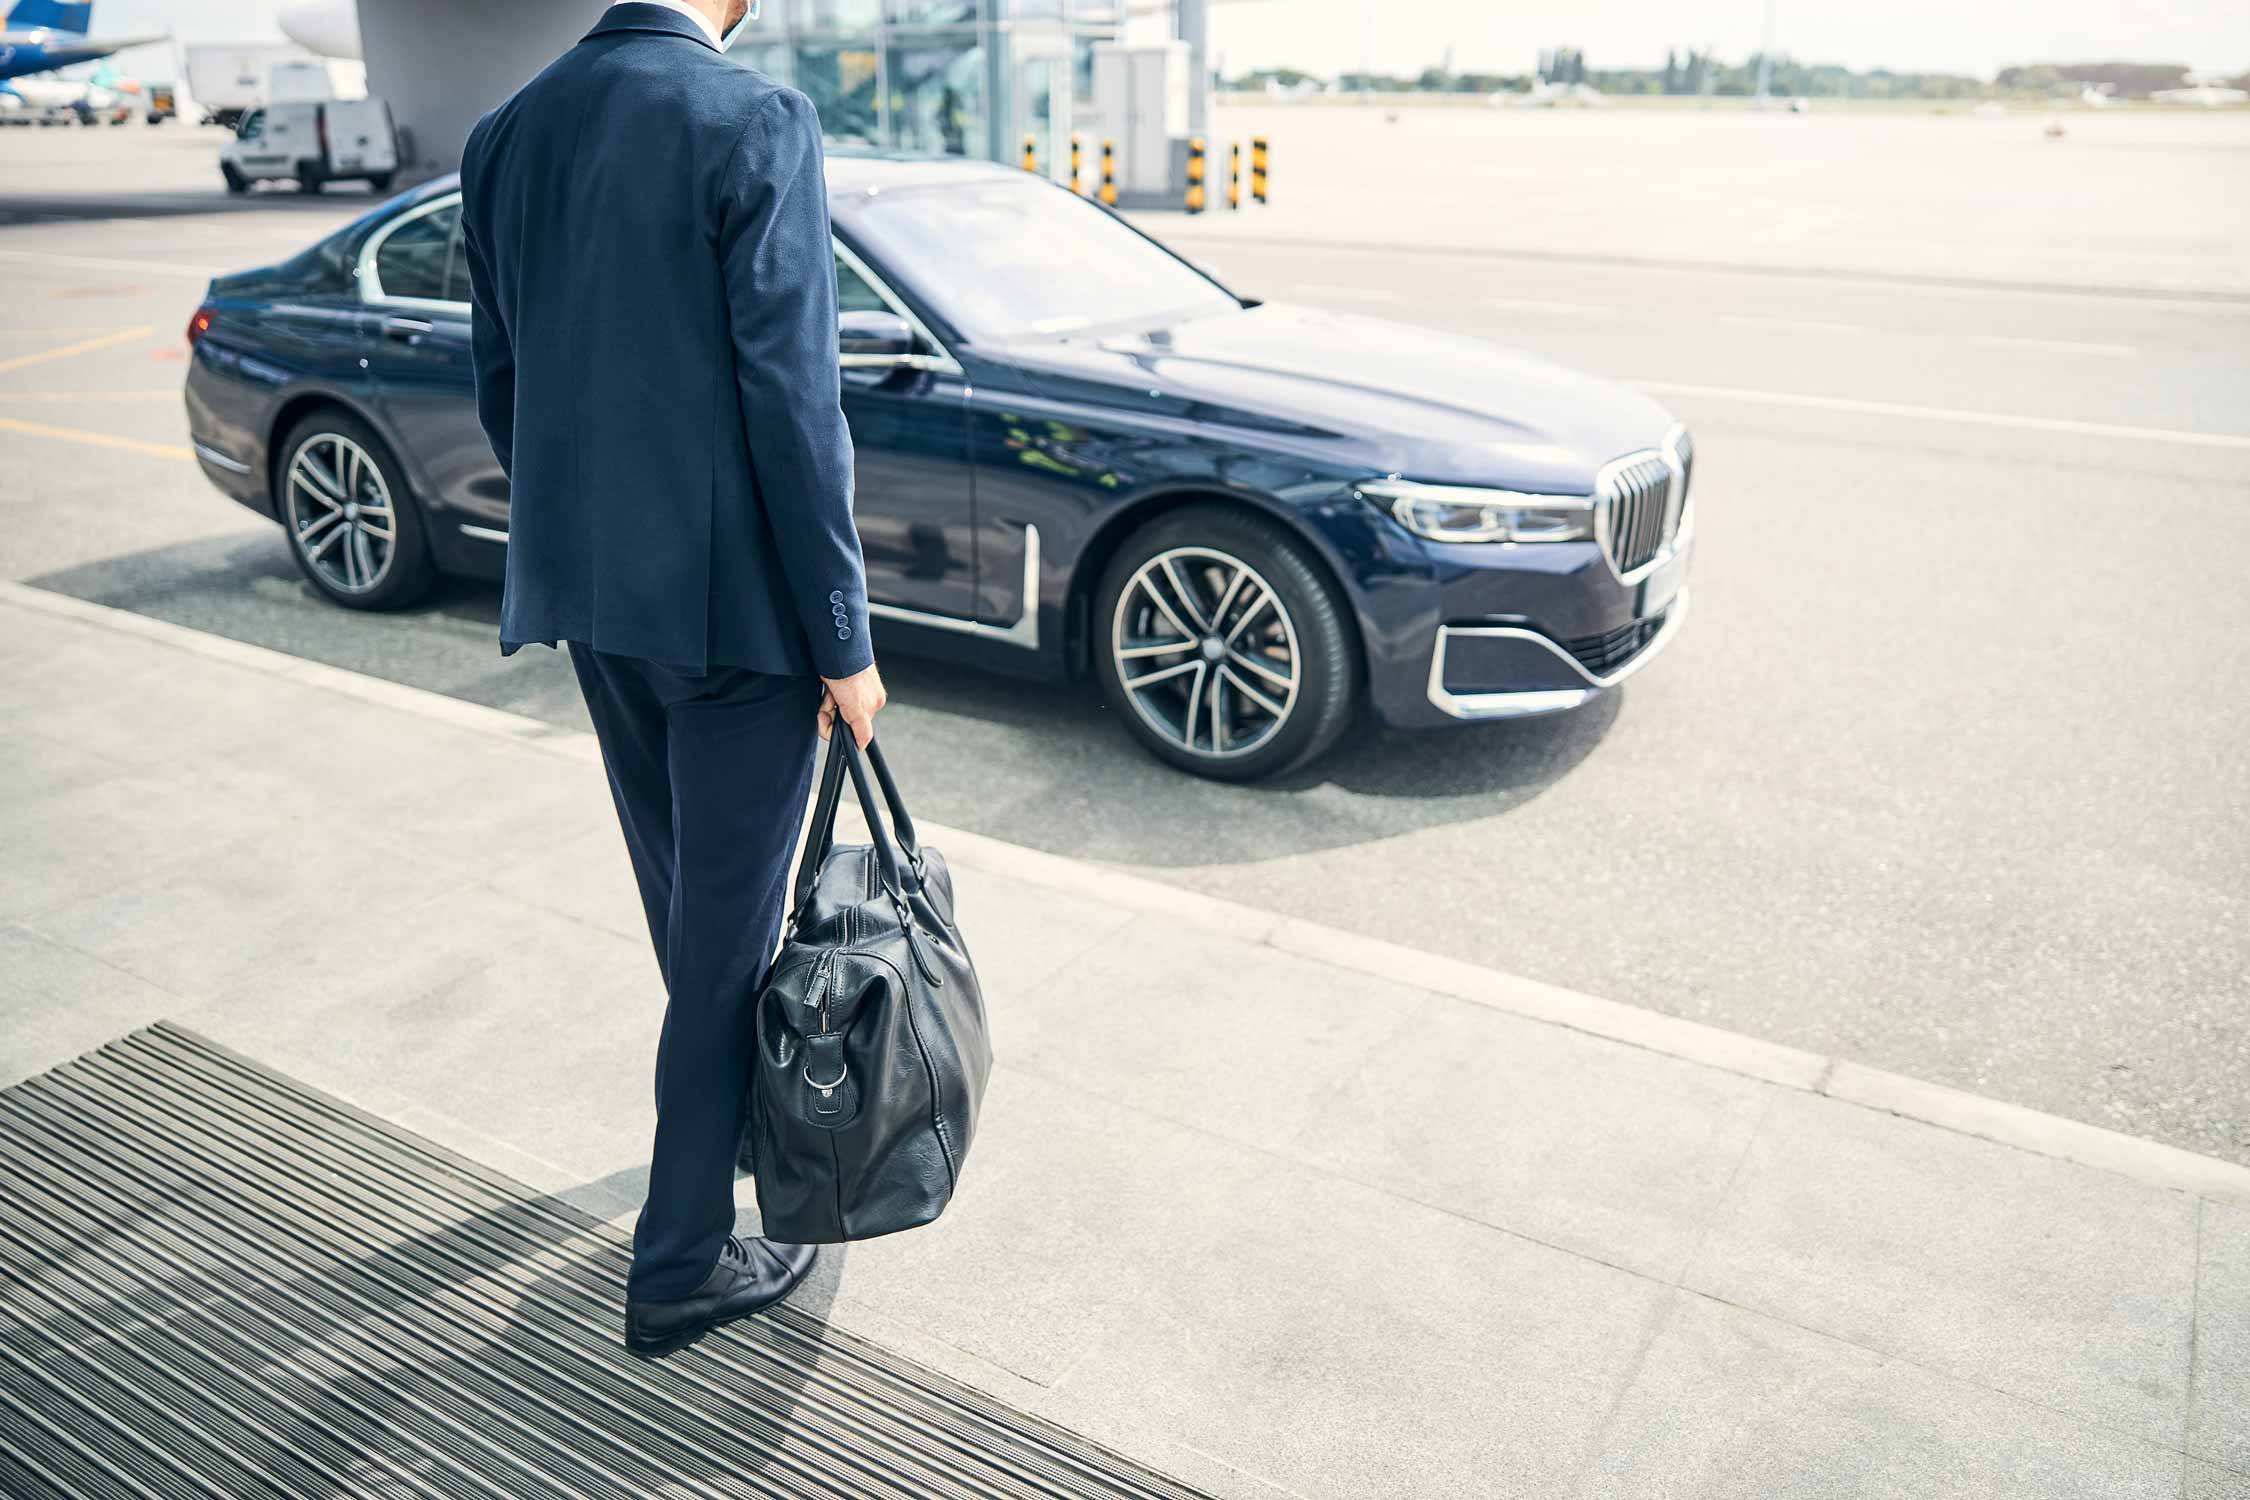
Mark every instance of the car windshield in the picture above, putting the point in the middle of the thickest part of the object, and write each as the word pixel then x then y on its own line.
pixel 1010 259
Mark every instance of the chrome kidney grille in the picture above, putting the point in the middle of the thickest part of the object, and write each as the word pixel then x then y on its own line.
pixel 1638 503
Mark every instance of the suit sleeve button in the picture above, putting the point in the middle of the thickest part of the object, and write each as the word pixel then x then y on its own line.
pixel 836 596
pixel 843 632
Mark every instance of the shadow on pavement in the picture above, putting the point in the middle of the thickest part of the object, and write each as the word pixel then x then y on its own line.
pixel 1035 763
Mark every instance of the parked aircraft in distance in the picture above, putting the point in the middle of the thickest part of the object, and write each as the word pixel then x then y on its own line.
pixel 39 36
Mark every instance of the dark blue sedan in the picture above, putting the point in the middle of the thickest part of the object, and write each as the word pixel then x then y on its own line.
pixel 1076 453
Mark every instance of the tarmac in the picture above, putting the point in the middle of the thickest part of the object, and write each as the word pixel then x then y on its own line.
pixel 1274 1208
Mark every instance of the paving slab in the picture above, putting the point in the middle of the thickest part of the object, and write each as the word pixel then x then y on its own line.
pixel 2210 1482
pixel 1082 1212
pixel 1731 1403
pixel 2053 1282
pixel 1198 1028
pixel 524 1025
pixel 1485 1114
pixel 2219 1425
pixel 56 1002
pixel 1338 1342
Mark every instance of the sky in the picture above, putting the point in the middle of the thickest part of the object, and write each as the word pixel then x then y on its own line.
pixel 1977 37
pixel 1505 36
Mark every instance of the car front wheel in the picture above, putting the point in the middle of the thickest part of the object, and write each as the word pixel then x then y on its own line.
pixel 353 527
pixel 1222 645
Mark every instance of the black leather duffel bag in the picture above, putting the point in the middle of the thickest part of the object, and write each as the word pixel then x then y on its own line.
pixel 872 1053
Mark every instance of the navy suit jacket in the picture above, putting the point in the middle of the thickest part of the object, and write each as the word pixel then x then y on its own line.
pixel 653 299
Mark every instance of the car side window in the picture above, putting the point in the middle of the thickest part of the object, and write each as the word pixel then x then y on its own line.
pixel 414 260
pixel 853 294
pixel 253 125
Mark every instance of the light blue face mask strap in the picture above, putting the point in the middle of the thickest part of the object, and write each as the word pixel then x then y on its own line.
pixel 726 43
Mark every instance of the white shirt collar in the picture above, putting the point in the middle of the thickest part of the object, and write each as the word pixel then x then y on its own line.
pixel 702 21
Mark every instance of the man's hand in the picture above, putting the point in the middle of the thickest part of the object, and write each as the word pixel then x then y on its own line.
pixel 857 698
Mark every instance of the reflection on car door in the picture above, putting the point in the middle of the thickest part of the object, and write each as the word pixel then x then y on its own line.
pixel 914 495
pixel 418 352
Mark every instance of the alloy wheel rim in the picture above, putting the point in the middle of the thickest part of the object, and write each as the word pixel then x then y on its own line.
pixel 1206 651
pixel 340 513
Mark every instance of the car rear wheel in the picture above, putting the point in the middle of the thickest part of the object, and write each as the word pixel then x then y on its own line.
pixel 310 177
pixel 1223 647
pixel 353 526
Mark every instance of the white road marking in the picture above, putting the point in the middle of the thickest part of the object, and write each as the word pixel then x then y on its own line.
pixel 1946 414
pixel 1346 293
pixel 1536 305
pixel 2217 302
pixel 1796 325
pixel 2055 346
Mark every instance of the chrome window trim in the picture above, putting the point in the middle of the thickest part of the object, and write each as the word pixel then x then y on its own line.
pixel 370 280
pixel 1516 705
pixel 371 293
pixel 1024 632
pixel 485 533
pixel 941 362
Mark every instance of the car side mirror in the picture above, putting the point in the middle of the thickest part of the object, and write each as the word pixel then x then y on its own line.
pixel 874 340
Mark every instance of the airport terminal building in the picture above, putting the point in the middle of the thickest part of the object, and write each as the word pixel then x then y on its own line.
pixel 961 77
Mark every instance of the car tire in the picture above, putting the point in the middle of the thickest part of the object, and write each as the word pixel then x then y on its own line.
pixel 335 509
pixel 380 182
pixel 309 178
pixel 236 182
pixel 1260 628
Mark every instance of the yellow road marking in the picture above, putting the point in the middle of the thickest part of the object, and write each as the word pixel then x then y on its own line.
pixel 83 346
pixel 64 397
pixel 95 439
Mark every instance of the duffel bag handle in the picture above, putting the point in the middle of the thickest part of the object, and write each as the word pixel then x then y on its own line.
pixel 902 826
pixel 844 757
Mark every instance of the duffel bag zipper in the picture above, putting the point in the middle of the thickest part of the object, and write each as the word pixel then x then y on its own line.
pixel 824 982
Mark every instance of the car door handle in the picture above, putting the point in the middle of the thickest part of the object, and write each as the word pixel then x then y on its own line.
pixel 406 330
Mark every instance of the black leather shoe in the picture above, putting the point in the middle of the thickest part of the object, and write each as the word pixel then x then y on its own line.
pixel 752 1275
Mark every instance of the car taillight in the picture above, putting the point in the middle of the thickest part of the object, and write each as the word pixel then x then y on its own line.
pixel 199 325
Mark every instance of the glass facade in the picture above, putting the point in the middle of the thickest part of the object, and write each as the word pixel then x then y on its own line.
pixel 951 77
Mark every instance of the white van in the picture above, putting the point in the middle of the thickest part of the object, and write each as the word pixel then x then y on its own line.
pixel 314 141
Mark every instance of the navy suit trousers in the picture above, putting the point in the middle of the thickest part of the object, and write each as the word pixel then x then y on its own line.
pixel 711 771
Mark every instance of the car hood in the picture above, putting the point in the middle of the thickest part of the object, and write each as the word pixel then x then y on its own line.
pixel 1392 396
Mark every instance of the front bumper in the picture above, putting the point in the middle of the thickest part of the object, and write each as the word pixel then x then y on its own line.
pixel 1523 656
pixel 1514 633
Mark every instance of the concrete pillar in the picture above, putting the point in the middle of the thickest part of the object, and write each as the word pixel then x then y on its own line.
pixel 442 63
pixel 1195 30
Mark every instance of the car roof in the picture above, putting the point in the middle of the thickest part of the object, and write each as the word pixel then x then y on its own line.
pixel 851 169
pixel 854 170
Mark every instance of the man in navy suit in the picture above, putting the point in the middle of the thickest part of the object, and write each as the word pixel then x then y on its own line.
pixel 654 295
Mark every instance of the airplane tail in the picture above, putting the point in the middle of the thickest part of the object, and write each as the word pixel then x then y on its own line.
pixel 54 15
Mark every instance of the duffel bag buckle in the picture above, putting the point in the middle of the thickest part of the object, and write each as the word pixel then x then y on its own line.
pixel 833 1084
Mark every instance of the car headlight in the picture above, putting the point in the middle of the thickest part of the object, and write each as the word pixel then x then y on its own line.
pixel 1465 513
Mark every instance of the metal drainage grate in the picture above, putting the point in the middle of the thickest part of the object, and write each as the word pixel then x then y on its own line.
pixel 218 1282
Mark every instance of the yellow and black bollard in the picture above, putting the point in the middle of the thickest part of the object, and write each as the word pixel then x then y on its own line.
pixel 1109 173
pixel 1234 175
pixel 1075 185
pixel 1258 168
pixel 1195 175
pixel 1031 153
